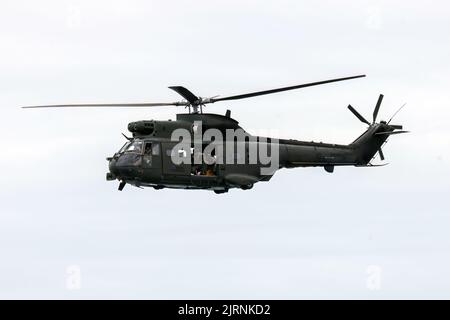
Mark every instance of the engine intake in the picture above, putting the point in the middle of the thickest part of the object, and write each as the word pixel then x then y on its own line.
pixel 142 127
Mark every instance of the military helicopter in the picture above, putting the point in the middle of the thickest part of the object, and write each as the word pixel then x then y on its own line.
pixel 147 158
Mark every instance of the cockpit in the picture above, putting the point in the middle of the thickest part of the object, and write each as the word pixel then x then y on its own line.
pixel 134 146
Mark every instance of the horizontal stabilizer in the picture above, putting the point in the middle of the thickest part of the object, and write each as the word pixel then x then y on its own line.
pixel 390 132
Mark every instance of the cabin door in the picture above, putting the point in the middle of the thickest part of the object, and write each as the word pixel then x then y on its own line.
pixel 169 167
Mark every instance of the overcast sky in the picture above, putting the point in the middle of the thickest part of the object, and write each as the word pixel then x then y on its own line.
pixel 357 233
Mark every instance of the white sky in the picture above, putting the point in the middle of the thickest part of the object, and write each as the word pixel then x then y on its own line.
pixel 305 234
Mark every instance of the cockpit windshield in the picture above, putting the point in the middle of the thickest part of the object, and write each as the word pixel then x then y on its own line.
pixel 132 147
pixel 123 147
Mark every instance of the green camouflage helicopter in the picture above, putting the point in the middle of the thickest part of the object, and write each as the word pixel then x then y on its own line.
pixel 212 152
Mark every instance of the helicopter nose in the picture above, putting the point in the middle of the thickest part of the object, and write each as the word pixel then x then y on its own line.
pixel 125 166
pixel 113 166
pixel 113 170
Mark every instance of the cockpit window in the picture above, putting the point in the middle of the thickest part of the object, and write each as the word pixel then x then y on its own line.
pixel 124 147
pixel 135 147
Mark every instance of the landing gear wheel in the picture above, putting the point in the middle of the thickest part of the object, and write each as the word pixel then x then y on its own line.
pixel 220 191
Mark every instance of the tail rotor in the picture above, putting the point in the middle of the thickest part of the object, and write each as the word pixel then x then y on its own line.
pixel 382 129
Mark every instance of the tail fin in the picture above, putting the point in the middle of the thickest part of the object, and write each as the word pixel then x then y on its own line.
pixel 371 141
pixel 368 144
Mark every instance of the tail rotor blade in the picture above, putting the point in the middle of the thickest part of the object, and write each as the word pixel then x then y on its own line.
pixel 356 113
pixel 377 108
pixel 381 154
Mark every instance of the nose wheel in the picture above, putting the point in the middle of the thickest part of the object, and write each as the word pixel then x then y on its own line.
pixel 122 185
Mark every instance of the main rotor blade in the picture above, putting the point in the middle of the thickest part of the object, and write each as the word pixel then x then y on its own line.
pixel 377 108
pixel 356 113
pixel 260 93
pixel 381 154
pixel 185 93
pixel 109 105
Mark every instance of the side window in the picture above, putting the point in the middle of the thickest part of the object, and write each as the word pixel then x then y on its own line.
pixel 181 153
pixel 155 149
pixel 148 149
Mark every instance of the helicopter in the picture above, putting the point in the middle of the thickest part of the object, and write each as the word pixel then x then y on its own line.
pixel 189 153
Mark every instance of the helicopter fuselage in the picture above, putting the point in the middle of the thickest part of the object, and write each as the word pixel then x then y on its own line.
pixel 146 160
